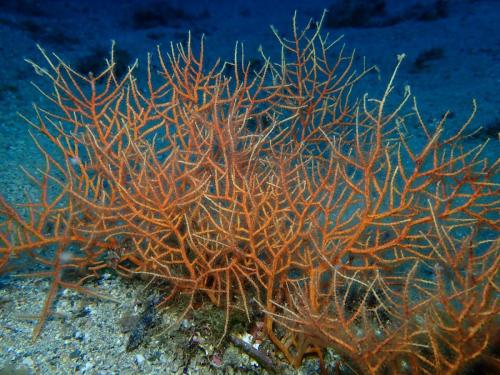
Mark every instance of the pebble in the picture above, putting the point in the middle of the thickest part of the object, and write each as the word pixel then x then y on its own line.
pixel 28 362
pixel 139 359
pixel 87 366
pixel 185 324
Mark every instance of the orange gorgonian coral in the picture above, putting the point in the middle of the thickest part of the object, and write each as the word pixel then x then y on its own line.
pixel 278 185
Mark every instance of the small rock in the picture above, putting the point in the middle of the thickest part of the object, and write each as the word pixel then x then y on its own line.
pixel 75 354
pixel 185 324
pixel 139 359
pixel 87 366
pixel 28 362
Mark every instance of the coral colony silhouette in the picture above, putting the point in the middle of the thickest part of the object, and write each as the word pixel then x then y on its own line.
pixel 348 221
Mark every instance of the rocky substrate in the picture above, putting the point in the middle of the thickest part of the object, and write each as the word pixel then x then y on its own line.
pixel 88 335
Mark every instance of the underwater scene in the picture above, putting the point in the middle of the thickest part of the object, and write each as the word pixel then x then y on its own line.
pixel 237 187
